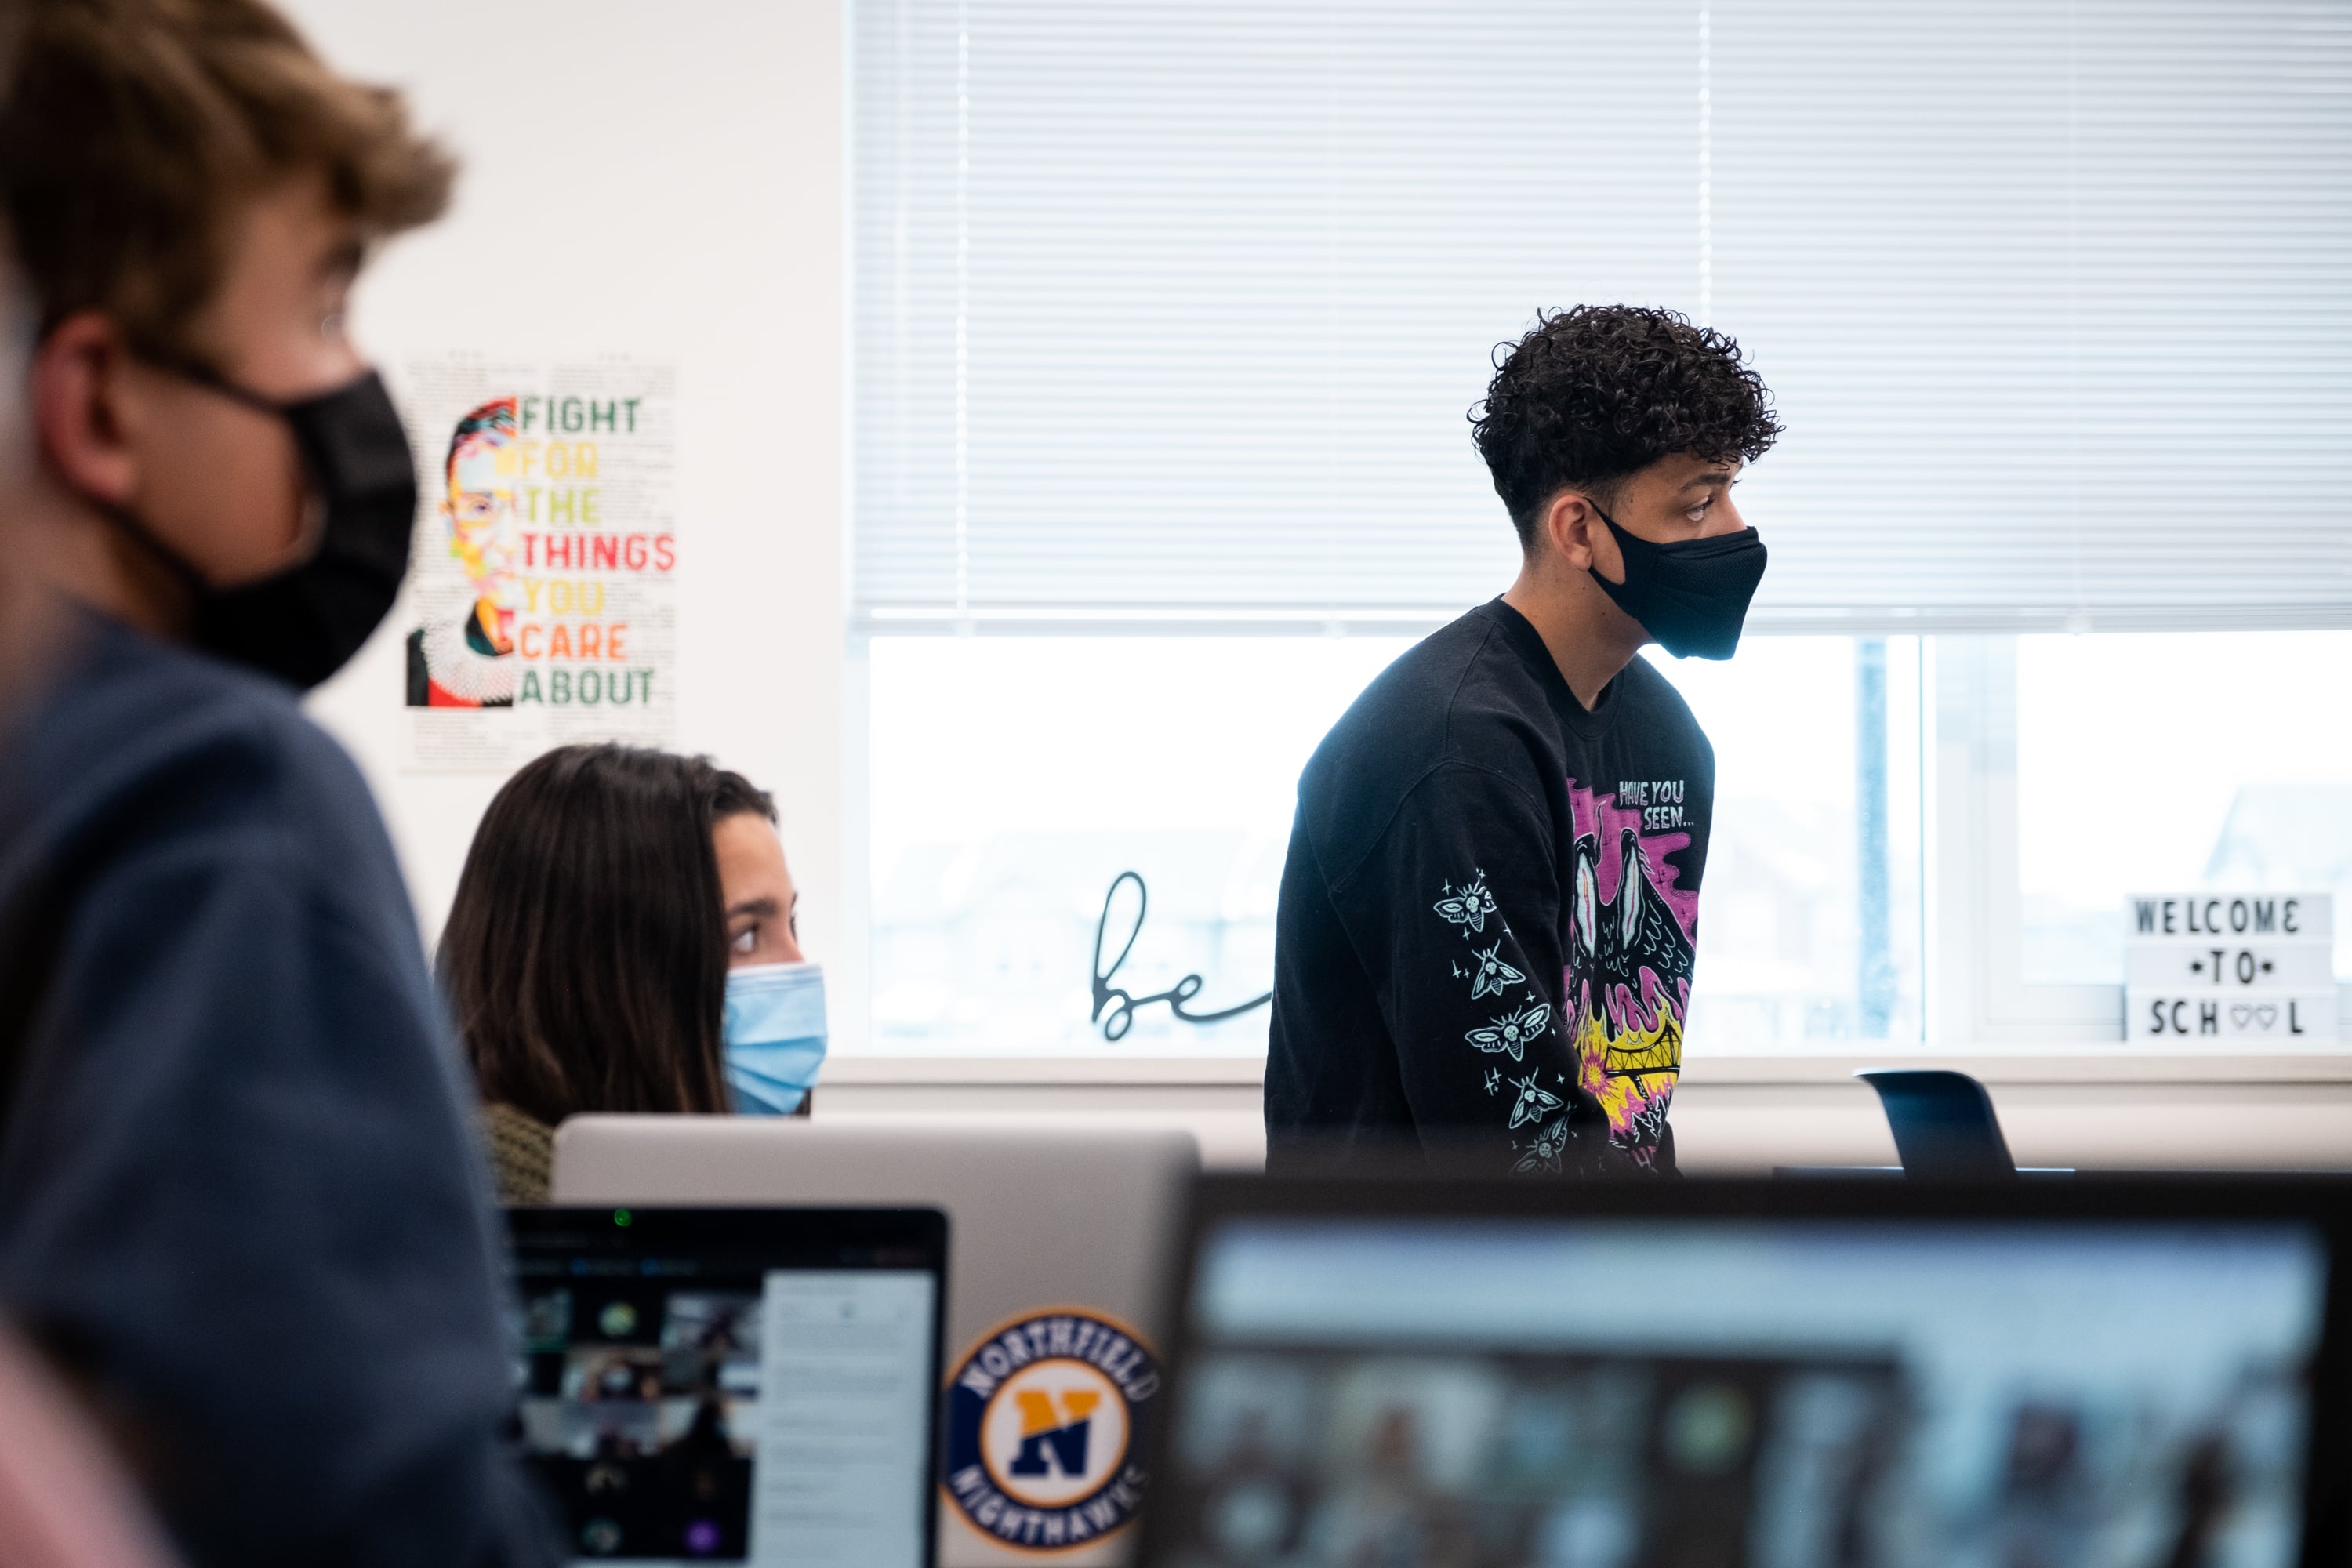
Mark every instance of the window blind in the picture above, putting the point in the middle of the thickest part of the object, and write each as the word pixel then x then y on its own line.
pixel 1170 315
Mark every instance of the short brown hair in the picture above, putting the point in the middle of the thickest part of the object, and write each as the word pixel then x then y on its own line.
pixel 134 132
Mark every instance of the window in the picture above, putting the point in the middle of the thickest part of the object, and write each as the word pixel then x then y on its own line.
pixel 1014 779
pixel 2146 763
pixel 1810 914
pixel 1167 318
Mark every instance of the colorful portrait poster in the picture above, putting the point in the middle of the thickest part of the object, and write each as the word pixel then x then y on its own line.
pixel 542 603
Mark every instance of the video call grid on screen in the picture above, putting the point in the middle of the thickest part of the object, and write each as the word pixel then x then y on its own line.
pixel 767 1404
pixel 1632 1393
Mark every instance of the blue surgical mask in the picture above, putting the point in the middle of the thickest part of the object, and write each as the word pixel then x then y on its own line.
pixel 776 1035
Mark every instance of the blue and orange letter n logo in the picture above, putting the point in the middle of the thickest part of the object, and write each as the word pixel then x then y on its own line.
pixel 1049 1440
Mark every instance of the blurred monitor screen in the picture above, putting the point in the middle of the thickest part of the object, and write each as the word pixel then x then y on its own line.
pixel 1705 1393
pixel 752 1385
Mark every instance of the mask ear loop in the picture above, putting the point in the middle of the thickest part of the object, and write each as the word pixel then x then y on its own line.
pixel 181 570
pixel 1632 554
pixel 198 373
pixel 128 523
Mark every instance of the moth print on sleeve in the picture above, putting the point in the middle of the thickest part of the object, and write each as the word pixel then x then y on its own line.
pixel 1468 905
pixel 1493 976
pixel 1513 1032
pixel 1544 1152
pixel 1631 950
pixel 1535 1102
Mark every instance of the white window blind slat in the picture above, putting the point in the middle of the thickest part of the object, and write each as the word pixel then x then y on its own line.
pixel 1171 315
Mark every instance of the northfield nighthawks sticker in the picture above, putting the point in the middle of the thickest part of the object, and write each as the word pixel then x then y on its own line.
pixel 1046 1423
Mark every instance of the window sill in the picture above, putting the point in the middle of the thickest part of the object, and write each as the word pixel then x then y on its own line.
pixel 1173 1071
pixel 2041 1066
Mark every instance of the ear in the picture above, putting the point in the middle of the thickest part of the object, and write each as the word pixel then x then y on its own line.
pixel 86 413
pixel 1571 530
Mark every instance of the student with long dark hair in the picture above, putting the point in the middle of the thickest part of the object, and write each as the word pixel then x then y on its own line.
pixel 588 952
pixel 586 955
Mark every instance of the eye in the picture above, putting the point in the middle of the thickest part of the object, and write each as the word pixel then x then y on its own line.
pixel 745 940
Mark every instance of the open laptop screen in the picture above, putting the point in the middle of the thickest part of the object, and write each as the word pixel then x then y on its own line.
pixel 1620 1393
pixel 746 1385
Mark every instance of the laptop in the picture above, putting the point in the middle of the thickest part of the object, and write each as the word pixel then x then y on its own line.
pixel 733 1385
pixel 1824 1374
pixel 1053 1342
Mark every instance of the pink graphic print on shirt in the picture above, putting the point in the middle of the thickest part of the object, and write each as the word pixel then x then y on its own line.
pixel 1632 947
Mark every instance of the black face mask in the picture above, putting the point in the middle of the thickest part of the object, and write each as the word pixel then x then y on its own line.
pixel 1692 594
pixel 304 624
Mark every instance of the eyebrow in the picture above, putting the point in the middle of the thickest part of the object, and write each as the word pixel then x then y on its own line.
pixel 764 908
pixel 1724 477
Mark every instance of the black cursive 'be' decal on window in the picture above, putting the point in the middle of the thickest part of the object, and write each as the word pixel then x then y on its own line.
pixel 1122 1003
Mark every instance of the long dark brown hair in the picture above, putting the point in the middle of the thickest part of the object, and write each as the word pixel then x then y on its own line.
pixel 585 956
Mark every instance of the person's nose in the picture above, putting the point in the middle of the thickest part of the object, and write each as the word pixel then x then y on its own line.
pixel 1723 517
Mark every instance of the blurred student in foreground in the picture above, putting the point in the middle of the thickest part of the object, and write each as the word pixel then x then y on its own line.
pixel 622 941
pixel 239 1207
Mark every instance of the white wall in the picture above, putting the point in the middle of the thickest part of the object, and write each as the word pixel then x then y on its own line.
pixel 664 181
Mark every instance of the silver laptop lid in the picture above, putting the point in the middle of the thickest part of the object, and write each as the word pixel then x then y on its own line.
pixel 1060 1244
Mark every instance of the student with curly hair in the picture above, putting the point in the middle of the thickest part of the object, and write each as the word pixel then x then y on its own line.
pixel 1490 909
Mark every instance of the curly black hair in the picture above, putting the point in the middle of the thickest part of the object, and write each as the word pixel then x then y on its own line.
pixel 1596 393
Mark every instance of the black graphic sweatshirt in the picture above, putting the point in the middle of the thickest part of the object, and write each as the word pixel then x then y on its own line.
pixel 1490 910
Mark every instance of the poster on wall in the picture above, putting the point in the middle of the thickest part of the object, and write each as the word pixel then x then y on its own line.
pixel 542 583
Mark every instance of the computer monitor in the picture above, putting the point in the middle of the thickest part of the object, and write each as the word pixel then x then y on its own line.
pixel 752 1385
pixel 1692 1374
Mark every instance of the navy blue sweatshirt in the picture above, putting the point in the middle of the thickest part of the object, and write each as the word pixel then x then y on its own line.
pixel 240 1198
pixel 1489 914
